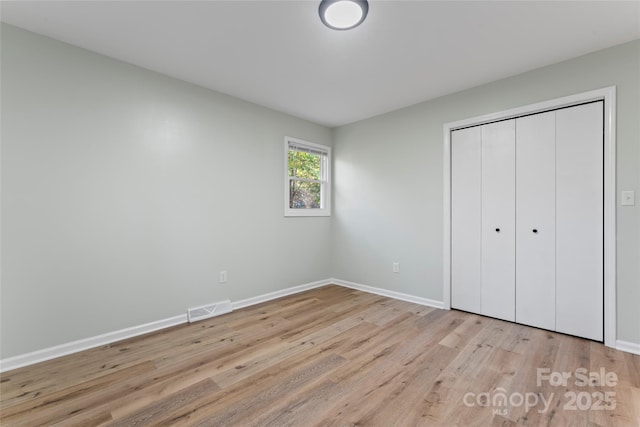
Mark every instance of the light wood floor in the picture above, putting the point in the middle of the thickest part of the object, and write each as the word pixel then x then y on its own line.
pixel 327 357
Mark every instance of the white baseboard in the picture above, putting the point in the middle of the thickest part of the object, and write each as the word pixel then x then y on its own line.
pixel 108 338
pixel 629 347
pixel 388 293
pixel 87 343
pixel 38 356
pixel 278 294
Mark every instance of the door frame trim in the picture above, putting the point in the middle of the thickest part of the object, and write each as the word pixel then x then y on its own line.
pixel 608 95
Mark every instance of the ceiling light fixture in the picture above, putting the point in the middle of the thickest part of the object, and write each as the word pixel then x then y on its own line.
pixel 343 14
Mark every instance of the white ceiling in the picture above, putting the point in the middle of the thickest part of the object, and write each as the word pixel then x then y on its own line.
pixel 278 53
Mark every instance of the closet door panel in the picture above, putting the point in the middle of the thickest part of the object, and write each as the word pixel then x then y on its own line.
pixel 498 220
pixel 535 220
pixel 579 223
pixel 466 219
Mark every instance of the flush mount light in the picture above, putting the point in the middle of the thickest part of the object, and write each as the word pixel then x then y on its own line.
pixel 343 14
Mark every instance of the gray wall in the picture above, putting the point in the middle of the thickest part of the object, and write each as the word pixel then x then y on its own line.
pixel 389 178
pixel 125 192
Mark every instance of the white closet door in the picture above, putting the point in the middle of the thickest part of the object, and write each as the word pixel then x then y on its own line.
pixel 535 220
pixel 465 219
pixel 579 221
pixel 498 220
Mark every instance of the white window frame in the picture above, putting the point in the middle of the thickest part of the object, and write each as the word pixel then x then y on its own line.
pixel 325 181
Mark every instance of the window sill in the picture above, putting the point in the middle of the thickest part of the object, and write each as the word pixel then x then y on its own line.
pixel 306 212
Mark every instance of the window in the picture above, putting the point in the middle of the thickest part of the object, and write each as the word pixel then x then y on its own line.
pixel 307 178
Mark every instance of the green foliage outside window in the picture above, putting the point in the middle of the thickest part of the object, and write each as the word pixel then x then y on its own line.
pixel 306 166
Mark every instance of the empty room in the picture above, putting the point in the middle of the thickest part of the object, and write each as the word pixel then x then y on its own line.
pixel 320 213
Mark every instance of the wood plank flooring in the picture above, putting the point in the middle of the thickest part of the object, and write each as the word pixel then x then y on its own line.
pixel 331 357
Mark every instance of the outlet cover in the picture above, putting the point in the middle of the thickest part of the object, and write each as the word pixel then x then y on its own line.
pixel 223 276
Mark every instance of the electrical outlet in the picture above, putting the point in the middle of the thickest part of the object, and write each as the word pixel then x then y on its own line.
pixel 396 267
pixel 223 276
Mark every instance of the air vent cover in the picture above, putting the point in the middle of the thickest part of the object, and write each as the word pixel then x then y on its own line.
pixel 209 310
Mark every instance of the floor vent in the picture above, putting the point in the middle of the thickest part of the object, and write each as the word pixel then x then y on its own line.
pixel 209 310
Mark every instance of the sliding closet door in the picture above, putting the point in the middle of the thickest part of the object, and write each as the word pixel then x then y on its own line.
pixel 498 220
pixel 465 219
pixel 535 220
pixel 579 221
